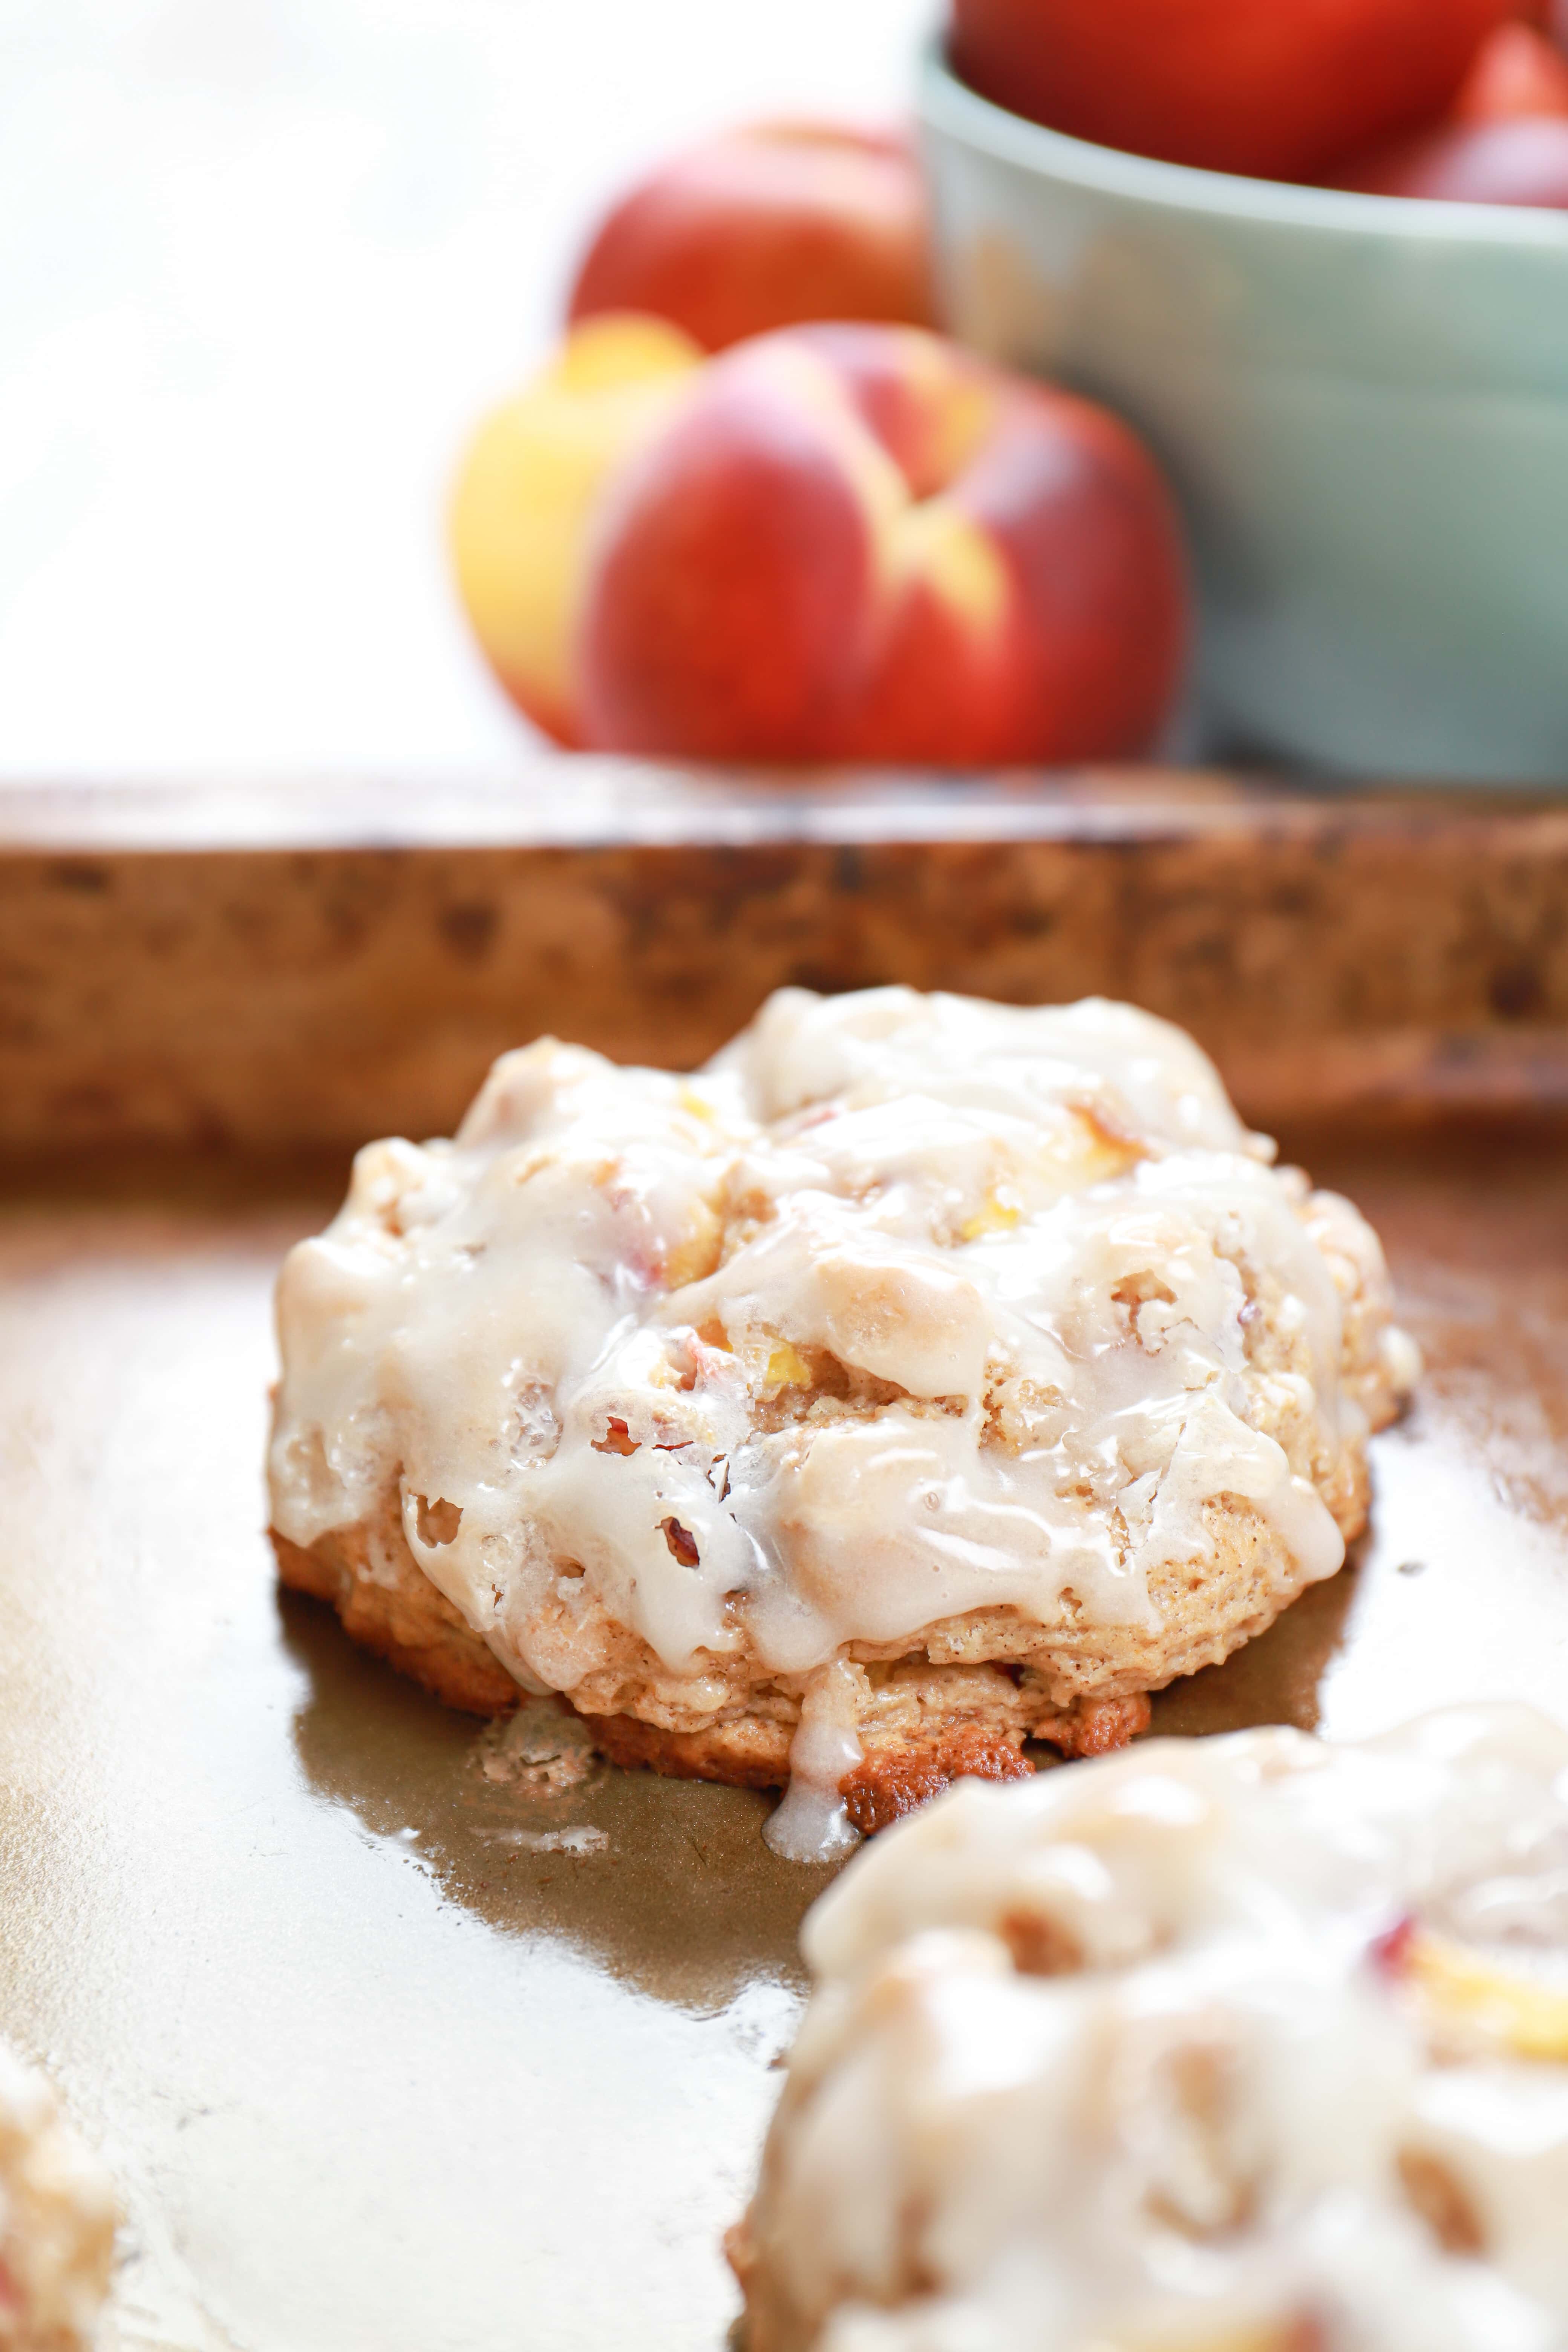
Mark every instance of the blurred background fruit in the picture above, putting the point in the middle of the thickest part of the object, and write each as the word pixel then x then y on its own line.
pixel 527 488
pixel 837 536
pixel 836 541
pixel 266 260
pixel 1361 405
pixel 1504 141
pixel 1519 70
pixel 767 226
pixel 1277 89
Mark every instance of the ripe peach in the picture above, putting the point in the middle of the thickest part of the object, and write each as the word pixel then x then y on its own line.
pixel 525 489
pixel 767 227
pixel 1281 88
pixel 854 541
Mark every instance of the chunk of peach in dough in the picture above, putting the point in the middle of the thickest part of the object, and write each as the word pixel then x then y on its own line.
pixel 1464 1989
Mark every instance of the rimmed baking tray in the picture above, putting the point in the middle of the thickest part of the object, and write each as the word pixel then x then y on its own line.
pixel 400 2038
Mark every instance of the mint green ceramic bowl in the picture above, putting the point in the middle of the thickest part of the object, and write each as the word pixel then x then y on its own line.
pixel 1362 400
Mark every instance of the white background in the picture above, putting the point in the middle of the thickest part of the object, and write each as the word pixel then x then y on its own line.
pixel 261 263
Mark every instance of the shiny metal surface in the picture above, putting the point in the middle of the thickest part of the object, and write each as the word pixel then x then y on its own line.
pixel 391 2050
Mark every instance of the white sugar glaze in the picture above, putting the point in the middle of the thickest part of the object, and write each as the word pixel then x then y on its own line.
pixel 558 1336
pixel 813 1824
pixel 1145 2054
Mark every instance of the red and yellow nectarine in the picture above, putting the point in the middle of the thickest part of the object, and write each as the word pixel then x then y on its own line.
pixel 527 485
pixel 767 226
pixel 1279 89
pixel 835 543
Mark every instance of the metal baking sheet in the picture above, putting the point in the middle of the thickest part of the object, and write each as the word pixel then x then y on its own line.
pixel 395 2053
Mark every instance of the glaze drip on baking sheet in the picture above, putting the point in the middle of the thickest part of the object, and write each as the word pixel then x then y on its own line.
pixel 813 1824
pixel 902 1309
pixel 1244 2042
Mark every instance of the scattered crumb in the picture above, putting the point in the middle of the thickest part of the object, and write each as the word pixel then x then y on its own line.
pixel 539 1749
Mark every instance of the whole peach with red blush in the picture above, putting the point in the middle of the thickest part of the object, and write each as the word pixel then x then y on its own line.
pixel 767 226
pixel 861 543
pixel 1277 89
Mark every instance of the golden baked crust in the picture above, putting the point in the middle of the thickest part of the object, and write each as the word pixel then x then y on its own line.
pixel 979 1688
pixel 402 1619
pixel 967 1723
pixel 922 1726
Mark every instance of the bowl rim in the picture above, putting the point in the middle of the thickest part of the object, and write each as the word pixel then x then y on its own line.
pixel 949 106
